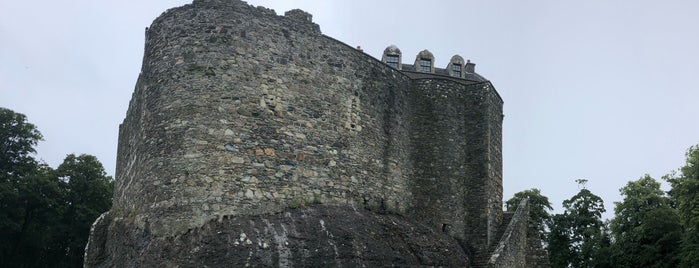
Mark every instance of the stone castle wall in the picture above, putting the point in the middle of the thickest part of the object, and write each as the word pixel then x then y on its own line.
pixel 238 111
pixel 456 184
pixel 512 249
pixel 520 244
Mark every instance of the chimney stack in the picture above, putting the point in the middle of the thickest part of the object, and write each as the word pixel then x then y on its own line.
pixel 470 67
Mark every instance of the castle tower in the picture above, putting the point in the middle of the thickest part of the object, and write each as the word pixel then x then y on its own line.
pixel 456 130
pixel 218 126
pixel 240 113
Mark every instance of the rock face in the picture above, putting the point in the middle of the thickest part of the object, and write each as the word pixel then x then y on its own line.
pixel 239 115
pixel 317 236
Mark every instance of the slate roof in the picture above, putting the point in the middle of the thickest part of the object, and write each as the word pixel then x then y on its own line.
pixel 439 71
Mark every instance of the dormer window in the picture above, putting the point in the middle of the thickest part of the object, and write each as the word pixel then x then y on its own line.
pixel 424 62
pixel 456 66
pixel 392 60
pixel 426 65
pixel 392 57
pixel 456 70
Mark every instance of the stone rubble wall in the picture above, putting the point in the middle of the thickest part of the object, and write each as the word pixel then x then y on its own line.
pixel 240 111
pixel 492 194
pixel 239 116
pixel 512 248
pixel 455 179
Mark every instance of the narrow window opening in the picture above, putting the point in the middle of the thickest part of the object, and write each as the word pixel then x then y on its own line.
pixel 446 228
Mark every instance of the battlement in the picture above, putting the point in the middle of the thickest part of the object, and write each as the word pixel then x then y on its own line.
pixel 238 111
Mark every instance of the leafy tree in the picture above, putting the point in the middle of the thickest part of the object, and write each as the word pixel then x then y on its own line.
pixel 25 188
pixel 559 241
pixel 88 192
pixel 685 194
pixel 36 208
pixel 45 214
pixel 539 207
pixel 646 229
pixel 577 236
pixel 17 140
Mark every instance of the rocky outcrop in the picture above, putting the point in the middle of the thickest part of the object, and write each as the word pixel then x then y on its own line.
pixel 314 236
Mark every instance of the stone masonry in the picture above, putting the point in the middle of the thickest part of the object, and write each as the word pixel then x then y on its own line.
pixel 240 113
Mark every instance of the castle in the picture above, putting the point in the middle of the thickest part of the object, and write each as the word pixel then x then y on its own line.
pixel 239 114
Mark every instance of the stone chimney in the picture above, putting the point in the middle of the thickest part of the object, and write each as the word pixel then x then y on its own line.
pixel 470 67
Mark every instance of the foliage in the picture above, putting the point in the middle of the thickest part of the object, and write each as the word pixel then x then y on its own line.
pixel 685 194
pixel 28 218
pixel 17 140
pixel 559 241
pixel 649 228
pixel 88 193
pixel 646 229
pixel 315 200
pixel 578 236
pixel 24 185
pixel 45 214
pixel 297 203
pixel 539 207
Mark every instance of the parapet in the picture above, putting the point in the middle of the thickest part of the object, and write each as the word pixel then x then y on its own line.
pixel 303 18
pixel 299 15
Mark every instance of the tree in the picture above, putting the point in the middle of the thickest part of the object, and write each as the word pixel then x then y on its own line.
pixel 45 214
pixel 559 241
pixel 577 236
pixel 684 192
pixel 646 229
pixel 17 140
pixel 26 190
pixel 88 193
pixel 35 213
pixel 539 207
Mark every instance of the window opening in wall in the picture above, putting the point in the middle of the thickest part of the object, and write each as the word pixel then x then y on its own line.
pixel 456 70
pixel 392 60
pixel 426 65
pixel 445 227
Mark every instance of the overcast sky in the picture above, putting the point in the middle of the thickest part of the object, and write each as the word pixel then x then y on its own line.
pixel 601 90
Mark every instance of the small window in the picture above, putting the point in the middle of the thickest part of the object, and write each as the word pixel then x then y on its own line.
pixel 392 60
pixel 456 70
pixel 426 65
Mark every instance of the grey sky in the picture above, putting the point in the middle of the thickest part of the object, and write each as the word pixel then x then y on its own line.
pixel 602 90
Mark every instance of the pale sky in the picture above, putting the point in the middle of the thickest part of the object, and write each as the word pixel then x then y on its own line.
pixel 601 90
